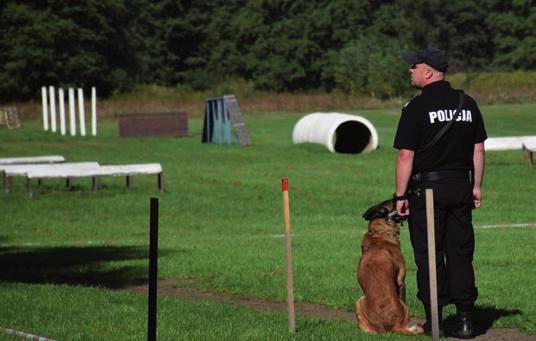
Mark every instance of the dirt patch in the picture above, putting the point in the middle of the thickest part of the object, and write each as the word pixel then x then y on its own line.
pixel 171 287
pixel 174 288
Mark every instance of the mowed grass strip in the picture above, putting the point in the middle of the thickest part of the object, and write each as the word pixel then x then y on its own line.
pixel 221 221
pixel 77 313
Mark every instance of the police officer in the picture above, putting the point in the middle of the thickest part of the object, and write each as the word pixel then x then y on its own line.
pixel 451 162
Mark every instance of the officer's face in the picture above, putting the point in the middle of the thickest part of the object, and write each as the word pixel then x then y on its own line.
pixel 418 75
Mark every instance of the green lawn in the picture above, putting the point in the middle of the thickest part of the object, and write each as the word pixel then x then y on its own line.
pixel 221 220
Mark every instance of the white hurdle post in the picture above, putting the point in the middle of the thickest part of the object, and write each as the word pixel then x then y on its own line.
pixel 81 112
pixel 44 102
pixel 93 111
pixel 72 112
pixel 62 111
pixel 52 99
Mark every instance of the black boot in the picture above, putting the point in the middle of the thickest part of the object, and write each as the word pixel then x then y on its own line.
pixel 465 328
pixel 428 324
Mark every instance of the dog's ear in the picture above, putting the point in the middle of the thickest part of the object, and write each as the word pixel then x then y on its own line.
pixel 369 213
pixel 377 211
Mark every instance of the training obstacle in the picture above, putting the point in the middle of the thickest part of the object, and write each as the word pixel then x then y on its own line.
pixel 31 159
pixel 9 116
pixel 74 170
pixel 49 101
pixel 525 143
pixel 529 152
pixel 220 113
pixel 152 124
pixel 338 132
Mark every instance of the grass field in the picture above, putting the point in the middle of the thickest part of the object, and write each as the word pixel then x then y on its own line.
pixel 64 253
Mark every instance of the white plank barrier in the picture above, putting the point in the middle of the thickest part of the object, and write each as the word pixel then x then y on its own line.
pixel 31 160
pixel 11 171
pixel 93 172
pixel 52 99
pixel 509 142
pixel 44 103
pixel 61 99
pixel 54 168
pixel 81 112
pixel 72 112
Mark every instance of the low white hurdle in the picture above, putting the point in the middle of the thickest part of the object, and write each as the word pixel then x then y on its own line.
pixel 94 111
pixel 72 112
pixel 44 104
pixel 62 111
pixel 52 99
pixel 81 112
pixel 48 96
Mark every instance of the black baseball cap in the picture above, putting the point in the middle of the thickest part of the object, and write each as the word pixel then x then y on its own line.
pixel 432 56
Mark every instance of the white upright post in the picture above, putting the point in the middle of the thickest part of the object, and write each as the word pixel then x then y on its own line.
pixel 52 99
pixel 44 102
pixel 94 111
pixel 72 112
pixel 81 112
pixel 62 111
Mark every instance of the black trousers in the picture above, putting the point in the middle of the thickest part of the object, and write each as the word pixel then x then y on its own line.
pixel 455 241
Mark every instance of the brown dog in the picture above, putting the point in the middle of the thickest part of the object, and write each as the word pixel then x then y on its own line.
pixel 381 273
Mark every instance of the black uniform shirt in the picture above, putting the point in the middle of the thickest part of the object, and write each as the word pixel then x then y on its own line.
pixel 426 114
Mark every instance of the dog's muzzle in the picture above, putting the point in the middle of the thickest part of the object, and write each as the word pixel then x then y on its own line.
pixel 395 217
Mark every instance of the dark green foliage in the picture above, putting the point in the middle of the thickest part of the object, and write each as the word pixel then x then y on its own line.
pixel 512 24
pixel 371 64
pixel 70 45
pixel 277 45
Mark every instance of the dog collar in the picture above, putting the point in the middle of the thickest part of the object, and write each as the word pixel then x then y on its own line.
pixel 386 234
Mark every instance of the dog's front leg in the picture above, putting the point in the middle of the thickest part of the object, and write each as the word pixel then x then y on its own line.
pixel 402 292
pixel 401 283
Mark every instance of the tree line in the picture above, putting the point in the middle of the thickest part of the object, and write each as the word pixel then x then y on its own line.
pixel 278 45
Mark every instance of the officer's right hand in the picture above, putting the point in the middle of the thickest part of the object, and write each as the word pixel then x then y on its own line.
pixel 402 207
pixel 477 197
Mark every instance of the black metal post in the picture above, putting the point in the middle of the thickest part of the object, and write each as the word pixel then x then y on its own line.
pixel 153 270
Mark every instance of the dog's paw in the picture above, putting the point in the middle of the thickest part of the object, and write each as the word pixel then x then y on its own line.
pixel 415 329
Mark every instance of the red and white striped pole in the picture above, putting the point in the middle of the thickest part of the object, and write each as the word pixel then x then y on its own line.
pixel 288 256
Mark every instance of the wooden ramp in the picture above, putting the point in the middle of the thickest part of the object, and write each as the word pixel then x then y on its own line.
pixel 236 118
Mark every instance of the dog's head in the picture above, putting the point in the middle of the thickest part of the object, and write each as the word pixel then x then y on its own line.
pixel 385 209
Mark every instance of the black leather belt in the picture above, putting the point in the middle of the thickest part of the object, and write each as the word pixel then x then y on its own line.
pixel 439 175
